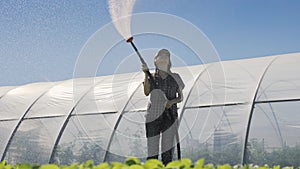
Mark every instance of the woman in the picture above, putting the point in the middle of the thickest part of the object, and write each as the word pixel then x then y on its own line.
pixel 161 119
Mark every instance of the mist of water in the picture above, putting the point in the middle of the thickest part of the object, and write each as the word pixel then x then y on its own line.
pixel 120 11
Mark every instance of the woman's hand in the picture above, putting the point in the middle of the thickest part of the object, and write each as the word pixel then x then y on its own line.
pixel 178 99
pixel 145 68
pixel 169 104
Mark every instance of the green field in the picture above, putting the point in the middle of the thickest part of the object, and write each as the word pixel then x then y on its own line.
pixel 134 163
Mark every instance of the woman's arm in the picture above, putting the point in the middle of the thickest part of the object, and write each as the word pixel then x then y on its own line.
pixel 146 80
pixel 178 99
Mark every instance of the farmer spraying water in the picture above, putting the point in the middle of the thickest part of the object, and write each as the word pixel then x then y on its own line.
pixel 165 91
pixel 163 86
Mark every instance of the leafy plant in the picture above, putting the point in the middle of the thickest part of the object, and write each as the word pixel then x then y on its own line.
pixel 135 163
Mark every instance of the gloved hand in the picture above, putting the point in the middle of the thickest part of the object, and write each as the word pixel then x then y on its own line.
pixel 169 104
pixel 145 68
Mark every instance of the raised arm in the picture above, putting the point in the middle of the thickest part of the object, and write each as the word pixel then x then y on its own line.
pixel 146 80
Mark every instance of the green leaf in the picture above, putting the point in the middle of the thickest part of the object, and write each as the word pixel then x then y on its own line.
pixel 102 166
pixel 35 166
pixel 153 164
pixel 238 166
pixel 132 160
pixel 199 164
pixel 175 165
pixel 3 163
pixel 72 166
pixel 117 165
pixel 2 166
pixel 89 164
pixel 49 166
pixel 23 166
pixel 186 162
pixel 225 166
pixel 135 166
pixel 8 166
pixel 81 166
pixel 209 166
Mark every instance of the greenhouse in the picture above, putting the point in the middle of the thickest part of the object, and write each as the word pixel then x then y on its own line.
pixel 237 111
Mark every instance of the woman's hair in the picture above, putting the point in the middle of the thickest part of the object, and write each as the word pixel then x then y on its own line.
pixel 166 54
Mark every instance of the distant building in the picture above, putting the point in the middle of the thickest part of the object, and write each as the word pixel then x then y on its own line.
pixel 221 139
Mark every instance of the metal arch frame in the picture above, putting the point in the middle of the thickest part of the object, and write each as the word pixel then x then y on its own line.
pixel 274 126
pixel 188 96
pixel 118 122
pixel 21 120
pixel 272 110
pixel 223 114
pixel 184 105
pixel 185 101
pixel 271 107
pixel 66 121
pixel 277 125
pixel 244 103
pixel 279 101
pixel 252 109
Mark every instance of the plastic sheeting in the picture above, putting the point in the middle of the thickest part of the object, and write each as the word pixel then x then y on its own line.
pixel 65 121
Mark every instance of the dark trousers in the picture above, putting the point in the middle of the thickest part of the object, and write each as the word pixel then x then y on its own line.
pixel 165 127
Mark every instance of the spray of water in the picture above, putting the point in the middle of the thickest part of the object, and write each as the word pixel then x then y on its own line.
pixel 120 11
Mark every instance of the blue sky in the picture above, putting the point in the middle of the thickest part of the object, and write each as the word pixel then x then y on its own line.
pixel 41 40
